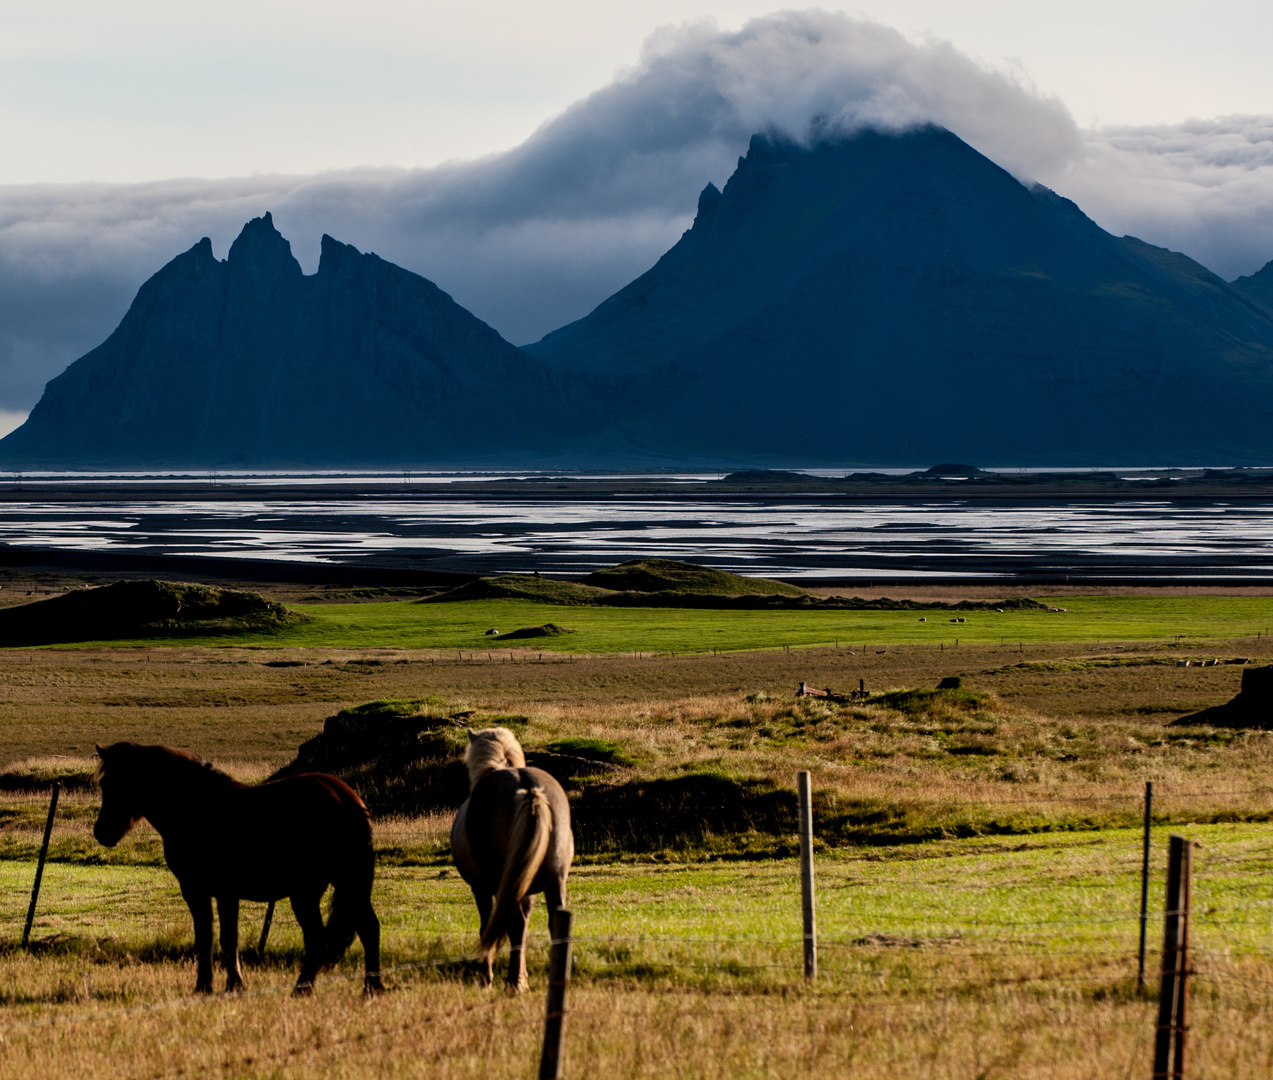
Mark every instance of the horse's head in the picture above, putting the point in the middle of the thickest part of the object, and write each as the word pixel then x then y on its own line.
pixel 492 748
pixel 120 810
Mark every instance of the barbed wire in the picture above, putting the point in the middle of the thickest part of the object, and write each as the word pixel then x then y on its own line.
pixel 954 935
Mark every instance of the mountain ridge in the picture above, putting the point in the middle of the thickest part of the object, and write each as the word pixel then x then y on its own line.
pixel 918 286
pixel 249 360
pixel 876 299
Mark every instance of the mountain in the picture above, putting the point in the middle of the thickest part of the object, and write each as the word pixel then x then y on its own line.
pixel 899 299
pixel 873 299
pixel 248 361
pixel 1258 287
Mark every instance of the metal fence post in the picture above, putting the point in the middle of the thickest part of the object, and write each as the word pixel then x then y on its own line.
pixel 1144 886
pixel 1182 996
pixel 265 928
pixel 1173 996
pixel 39 867
pixel 806 875
pixel 558 979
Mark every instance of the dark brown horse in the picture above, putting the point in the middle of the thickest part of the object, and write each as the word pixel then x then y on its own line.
pixel 511 839
pixel 229 842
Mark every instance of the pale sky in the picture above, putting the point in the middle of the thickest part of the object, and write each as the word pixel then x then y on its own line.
pixel 137 90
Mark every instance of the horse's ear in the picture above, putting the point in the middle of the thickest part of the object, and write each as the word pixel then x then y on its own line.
pixel 101 751
pixel 472 737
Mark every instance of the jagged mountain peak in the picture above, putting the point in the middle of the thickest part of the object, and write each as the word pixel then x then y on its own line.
pixel 1258 286
pixel 249 361
pixel 261 247
pixel 707 200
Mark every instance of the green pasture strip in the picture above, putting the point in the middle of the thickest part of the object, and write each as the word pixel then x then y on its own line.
pixel 1192 620
pixel 938 912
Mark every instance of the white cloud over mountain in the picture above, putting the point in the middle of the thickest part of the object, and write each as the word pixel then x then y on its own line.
pixel 536 236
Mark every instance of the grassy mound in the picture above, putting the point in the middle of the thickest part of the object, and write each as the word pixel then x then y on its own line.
pixel 129 609
pixel 547 630
pixel 403 756
pixel 669 575
pixel 38 774
pixel 521 587
pixel 669 583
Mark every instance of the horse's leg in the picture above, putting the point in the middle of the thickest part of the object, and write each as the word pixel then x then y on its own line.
pixel 517 980
pixel 554 900
pixel 485 903
pixel 228 916
pixel 200 906
pixel 369 935
pixel 308 911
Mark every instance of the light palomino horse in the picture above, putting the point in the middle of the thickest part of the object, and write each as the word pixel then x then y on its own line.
pixel 229 842
pixel 511 839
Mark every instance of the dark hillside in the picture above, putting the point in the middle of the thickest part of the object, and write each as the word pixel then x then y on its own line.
pixel 130 609
pixel 1258 287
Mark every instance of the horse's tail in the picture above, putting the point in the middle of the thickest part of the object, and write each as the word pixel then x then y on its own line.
pixel 342 924
pixel 351 896
pixel 527 846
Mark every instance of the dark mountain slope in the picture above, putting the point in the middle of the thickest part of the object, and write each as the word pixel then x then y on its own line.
pixel 1258 287
pixel 900 299
pixel 248 361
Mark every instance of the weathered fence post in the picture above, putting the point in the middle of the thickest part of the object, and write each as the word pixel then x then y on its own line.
pixel 1144 885
pixel 39 867
pixel 806 875
pixel 265 928
pixel 1169 1059
pixel 558 978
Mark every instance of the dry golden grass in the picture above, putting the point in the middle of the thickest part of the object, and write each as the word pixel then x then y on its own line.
pixel 929 995
pixel 442 1030
pixel 228 705
pixel 1062 738
pixel 956 960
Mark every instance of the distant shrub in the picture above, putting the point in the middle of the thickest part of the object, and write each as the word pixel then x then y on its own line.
pixel 592 749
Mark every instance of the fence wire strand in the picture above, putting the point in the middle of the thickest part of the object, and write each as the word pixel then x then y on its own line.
pixel 957 941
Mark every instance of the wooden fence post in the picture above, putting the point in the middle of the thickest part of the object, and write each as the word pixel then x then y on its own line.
pixel 39 867
pixel 1144 886
pixel 265 928
pixel 558 978
pixel 806 875
pixel 1169 1059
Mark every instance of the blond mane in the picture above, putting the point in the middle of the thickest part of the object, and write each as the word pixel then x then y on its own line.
pixel 491 749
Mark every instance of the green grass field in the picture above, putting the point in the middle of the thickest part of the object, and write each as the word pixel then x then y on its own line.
pixel 462 626
pixel 1064 894
pixel 997 943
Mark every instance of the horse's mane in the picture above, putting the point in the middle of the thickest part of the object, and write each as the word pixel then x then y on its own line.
pixel 491 749
pixel 155 759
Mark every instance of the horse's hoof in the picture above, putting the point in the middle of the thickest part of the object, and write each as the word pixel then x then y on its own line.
pixel 372 986
pixel 203 988
pixel 236 987
pixel 513 989
pixel 303 989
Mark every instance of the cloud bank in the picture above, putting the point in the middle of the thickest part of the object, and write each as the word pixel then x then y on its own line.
pixel 534 237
